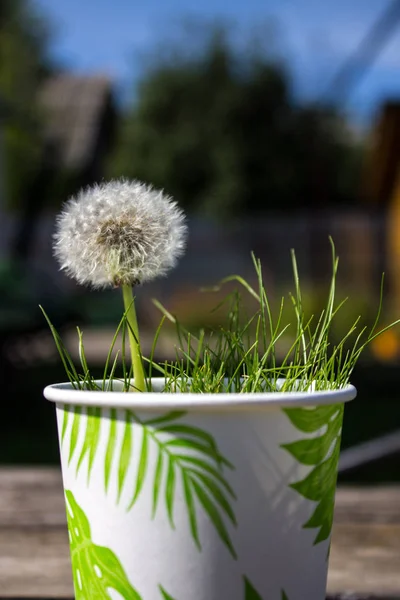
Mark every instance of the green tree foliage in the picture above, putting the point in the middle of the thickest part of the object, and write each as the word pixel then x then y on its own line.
pixel 222 134
pixel 23 38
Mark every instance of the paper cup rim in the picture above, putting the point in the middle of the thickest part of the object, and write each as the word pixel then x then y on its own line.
pixel 64 393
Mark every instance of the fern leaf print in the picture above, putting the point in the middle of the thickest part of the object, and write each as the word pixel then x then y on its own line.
pixel 322 454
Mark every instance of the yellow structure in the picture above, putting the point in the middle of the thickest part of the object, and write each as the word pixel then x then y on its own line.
pixel 383 189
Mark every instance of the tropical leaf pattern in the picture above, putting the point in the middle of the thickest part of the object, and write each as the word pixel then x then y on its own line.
pixel 190 455
pixel 95 569
pixel 322 453
pixel 249 591
pixel 186 456
pixel 165 595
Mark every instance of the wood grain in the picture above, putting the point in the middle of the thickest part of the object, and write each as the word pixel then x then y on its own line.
pixel 34 554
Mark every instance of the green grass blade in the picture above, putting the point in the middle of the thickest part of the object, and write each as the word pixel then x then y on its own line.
pixel 82 355
pixel 298 304
pixel 64 354
pixel 110 380
pixel 110 351
pixel 380 304
pixel 154 346
pixel 240 280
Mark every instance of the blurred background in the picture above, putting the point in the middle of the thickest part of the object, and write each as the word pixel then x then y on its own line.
pixel 274 124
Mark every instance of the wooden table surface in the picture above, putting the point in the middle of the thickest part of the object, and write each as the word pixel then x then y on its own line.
pixel 34 553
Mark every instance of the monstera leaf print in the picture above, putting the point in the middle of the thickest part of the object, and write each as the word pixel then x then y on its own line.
pixel 185 455
pixel 95 569
pixel 322 453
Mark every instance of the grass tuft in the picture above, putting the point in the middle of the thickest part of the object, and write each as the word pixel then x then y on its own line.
pixel 243 357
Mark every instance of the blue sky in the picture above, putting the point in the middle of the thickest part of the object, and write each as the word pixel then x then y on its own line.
pixel 313 36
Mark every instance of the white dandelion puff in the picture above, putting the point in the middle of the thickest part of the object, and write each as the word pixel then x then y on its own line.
pixel 119 233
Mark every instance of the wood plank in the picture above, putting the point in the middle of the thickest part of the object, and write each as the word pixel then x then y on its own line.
pixel 34 555
pixel 365 558
pixel 35 563
pixel 379 504
pixel 31 498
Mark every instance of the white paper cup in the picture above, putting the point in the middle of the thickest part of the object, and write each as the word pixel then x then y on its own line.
pixel 199 497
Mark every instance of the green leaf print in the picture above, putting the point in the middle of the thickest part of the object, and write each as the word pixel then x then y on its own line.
pixel 66 411
pixel 310 420
pixel 185 455
pixel 322 453
pixel 215 517
pixel 110 450
pixel 125 454
pixel 143 464
pixel 157 483
pixel 76 422
pixel 92 437
pixel 164 594
pixel 188 455
pixel 95 569
pixel 249 592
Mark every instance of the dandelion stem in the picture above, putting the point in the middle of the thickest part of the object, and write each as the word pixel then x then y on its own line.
pixel 133 330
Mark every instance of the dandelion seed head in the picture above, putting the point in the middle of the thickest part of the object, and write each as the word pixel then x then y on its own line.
pixel 119 233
